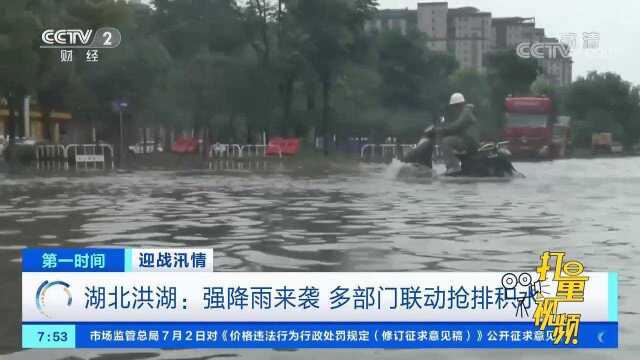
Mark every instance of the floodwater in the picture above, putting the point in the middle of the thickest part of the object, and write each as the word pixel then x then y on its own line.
pixel 336 217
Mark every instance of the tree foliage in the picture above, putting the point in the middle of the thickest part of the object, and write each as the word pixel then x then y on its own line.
pixel 232 70
pixel 605 102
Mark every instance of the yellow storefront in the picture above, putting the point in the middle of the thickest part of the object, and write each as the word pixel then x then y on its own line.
pixel 37 124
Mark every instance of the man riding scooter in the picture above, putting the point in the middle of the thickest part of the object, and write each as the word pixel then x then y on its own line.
pixel 456 137
pixel 459 134
pixel 459 146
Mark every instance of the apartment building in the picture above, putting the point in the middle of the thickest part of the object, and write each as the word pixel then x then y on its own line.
pixel 469 34
pixel 464 32
pixel 402 20
pixel 432 20
pixel 557 70
pixel 509 32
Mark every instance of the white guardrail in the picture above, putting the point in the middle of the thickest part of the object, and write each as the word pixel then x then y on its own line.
pixel 51 156
pixel 239 151
pixel 225 150
pixel 58 155
pixel 385 149
pixel 91 154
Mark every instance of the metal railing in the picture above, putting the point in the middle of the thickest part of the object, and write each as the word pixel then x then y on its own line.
pixel 259 150
pixel 225 150
pixel 90 154
pixel 384 150
pixel 51 156
pixel 221 164
pixel 220 151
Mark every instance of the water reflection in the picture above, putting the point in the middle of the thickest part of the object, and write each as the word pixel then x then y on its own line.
pixel 359 218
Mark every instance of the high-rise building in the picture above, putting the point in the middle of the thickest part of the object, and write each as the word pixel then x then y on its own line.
pixel 556 69
pixel 432 21
pixel 469 34
pixel 464 32
pixel 402 20
pixel 508 32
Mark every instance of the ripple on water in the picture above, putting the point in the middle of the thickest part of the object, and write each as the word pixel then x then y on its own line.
pixel 149 243
pixel 279 262
pixel 357 220
pixel 12 247
pixel 190 238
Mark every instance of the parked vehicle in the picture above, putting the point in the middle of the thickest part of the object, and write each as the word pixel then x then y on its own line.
pixel 616 147
pixel 145 148
pixel 602 143
pixel 22 150
pixel 284 146
pixel 185 145
pixel 531 130
pixel 561 137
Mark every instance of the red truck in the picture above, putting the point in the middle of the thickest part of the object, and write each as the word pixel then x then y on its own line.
pixel 532 131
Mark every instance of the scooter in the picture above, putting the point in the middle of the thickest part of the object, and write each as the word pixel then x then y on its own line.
pixel 490 160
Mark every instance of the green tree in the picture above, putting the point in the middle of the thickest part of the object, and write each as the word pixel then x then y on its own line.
pixel 187 27
pixel 167 106
pixel 19 59
pixel 605 102
pixel 475 87
pixel 403 65
pixel 356 106
pixel 330 28
pixel 415 84
pixel 508 74
pixel 541 87
pixel 472 84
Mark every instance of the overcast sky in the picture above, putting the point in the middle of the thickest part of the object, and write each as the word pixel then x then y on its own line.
pixel 616 22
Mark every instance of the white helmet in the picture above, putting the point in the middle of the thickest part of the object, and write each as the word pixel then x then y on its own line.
pixel 456 98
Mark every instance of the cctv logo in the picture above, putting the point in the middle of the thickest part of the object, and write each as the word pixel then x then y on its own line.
pixel 66 38
pixel 543 50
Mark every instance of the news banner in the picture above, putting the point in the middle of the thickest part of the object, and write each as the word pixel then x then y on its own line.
pixel 173 298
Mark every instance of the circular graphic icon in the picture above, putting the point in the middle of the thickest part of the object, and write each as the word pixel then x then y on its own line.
pixel 509 280
pixel 41 294
pixel 525 279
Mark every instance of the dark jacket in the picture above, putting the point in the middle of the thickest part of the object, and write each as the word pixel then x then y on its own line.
pixel 465 126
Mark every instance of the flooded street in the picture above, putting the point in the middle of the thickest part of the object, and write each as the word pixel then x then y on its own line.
pixel 345 217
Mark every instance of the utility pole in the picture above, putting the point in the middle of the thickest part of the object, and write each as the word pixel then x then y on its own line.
pixel 121 105
pixel 121 137
pixel 26 113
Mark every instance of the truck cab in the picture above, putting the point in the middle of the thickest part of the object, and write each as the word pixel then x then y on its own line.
pixel 529 127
